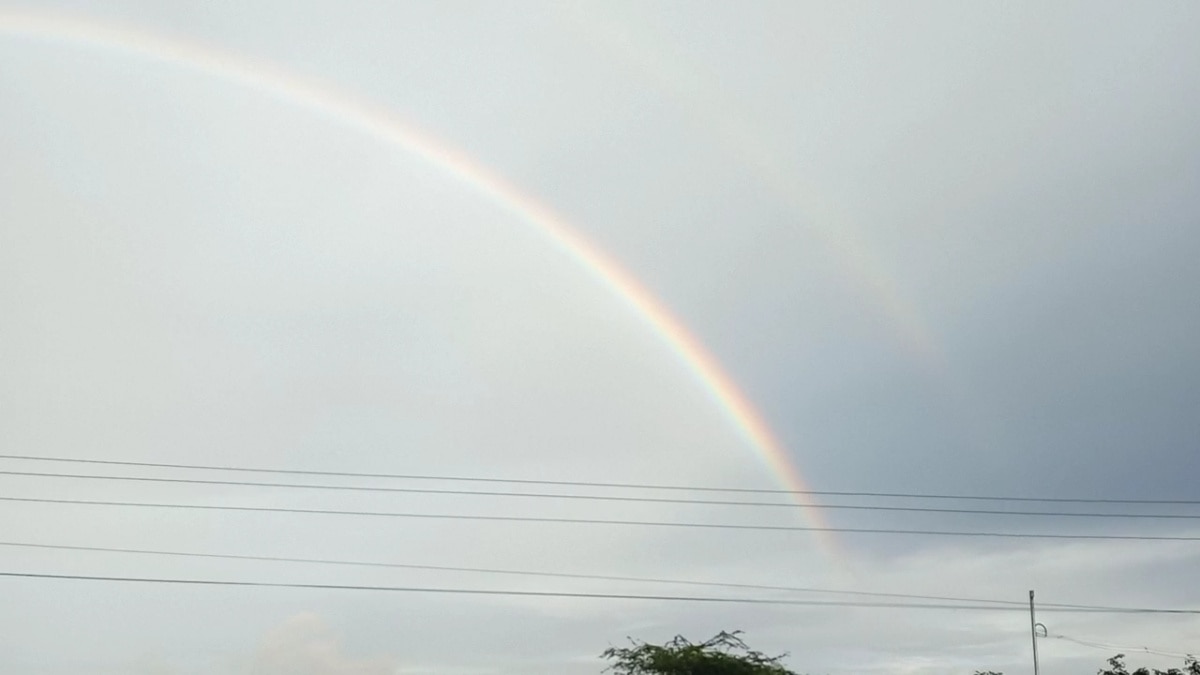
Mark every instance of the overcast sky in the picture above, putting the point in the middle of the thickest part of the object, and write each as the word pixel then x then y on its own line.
pixel 942 247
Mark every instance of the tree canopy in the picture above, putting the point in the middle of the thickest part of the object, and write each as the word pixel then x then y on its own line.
pixel 1116 666
pixel 726 654
pixel 723 654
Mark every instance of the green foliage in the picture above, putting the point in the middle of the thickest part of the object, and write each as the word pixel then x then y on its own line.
pixel 723 654
pixel 1116 666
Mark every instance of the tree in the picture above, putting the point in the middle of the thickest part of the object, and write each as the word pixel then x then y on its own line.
pixel 1116 666
pixel 723 654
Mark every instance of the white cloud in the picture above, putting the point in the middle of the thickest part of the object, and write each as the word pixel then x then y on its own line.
pixel 306 645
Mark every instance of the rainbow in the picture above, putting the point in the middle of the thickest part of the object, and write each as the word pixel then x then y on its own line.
pixel 385 126
pixel 657 57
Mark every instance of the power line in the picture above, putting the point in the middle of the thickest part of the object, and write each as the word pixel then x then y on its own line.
pixel 607 498
pixel 1118 648
pixel 482 591
pixel 559 575
pixel 486 570
pixel 597 484
pixel 566 594
pixel 606 521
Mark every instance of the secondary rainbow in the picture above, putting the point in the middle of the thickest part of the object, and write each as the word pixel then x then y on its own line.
pixel 656 55
pixel 380 123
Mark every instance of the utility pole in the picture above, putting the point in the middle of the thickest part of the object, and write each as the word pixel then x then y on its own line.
pixel 1033 632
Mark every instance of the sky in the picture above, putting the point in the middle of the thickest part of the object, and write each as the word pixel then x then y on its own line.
pixel 934 247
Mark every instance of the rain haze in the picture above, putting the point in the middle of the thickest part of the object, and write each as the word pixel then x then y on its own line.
pixel 926 249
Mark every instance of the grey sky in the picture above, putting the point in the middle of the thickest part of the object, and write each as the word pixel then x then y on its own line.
pixel 943 247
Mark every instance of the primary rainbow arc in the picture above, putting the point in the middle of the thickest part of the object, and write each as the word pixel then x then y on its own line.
pixel 384 125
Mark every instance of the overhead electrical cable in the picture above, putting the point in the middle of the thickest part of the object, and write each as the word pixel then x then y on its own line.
pixel 559 575
pixel 1117 648
pixel 604 521
pixel 566 594
pixel 527 573
pixel 589 497
pixel 594 484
